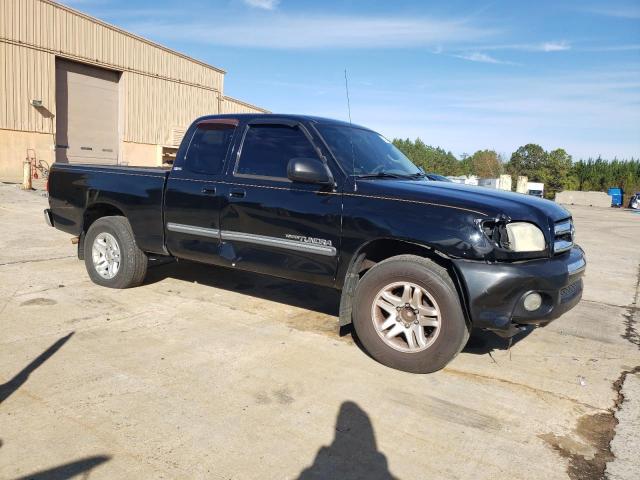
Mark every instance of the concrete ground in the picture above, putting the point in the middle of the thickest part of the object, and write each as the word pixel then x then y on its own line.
pixel 211 373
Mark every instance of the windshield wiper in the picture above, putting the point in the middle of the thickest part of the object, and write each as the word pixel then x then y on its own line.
pixel 416 175
pixel 379 175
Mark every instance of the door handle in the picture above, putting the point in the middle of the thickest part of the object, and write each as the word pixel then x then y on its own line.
pixel 209 190
pixel 237 193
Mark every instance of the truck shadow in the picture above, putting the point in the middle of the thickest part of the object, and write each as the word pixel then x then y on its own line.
pixel 482 342
pixel 322 300
pixel 311 297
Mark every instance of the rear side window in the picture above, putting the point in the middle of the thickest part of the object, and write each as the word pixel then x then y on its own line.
pixel 208 148
pixel 267 149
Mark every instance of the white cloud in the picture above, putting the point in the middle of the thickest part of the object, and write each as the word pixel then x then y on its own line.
pixel 263 4
pixel 550 46
pixel 554 46
pixel 320 31
pixel 587 112
pixel 482 58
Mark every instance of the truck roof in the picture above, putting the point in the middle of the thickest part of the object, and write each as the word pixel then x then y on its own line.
pixel 286 116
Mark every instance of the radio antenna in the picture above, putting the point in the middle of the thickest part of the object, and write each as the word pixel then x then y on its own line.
pixel 353 153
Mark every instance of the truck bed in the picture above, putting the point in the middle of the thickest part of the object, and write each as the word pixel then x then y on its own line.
pixel 77 190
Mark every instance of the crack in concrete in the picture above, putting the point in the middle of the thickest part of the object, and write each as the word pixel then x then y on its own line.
pixel 631 307
pixel 35 260
pixel 631 334
pixel 588 452
pixel 630 331
pixel 537 391
pixel 617 386
pixel 589 455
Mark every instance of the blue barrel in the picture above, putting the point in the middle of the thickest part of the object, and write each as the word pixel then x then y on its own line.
pixel 616 196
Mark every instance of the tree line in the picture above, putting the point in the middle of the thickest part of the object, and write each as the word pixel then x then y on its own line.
pixel 555 168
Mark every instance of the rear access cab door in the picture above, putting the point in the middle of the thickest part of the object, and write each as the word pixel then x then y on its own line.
pixel 270 224
pixel 196 191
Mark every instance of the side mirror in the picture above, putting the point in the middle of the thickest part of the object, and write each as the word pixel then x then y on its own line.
pixel 309 170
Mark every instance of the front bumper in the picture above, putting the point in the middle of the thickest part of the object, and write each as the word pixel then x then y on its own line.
pixel 495 292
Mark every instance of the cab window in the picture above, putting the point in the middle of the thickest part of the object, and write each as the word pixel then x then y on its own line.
pixel 267 149
pixel 208 148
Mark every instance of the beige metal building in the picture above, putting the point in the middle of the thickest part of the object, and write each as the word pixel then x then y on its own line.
pixel 75 89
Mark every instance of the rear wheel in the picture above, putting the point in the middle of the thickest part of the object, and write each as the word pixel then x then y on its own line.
pixel 408 315
pixel 111 255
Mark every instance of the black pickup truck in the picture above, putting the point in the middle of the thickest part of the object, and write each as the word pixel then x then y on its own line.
pixel 419 262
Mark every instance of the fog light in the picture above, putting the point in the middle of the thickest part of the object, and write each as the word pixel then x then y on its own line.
pixel 532 302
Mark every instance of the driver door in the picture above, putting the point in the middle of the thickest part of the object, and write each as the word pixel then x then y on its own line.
pixel 271 224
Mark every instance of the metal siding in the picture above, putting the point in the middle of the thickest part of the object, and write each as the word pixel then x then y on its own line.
pixel 153 108
pixel 232 105
pixel 51 27
pixel 26 75
pixel 162 90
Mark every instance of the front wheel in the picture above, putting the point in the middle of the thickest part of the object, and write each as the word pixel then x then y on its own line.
pixel 408 315
pixel 111 255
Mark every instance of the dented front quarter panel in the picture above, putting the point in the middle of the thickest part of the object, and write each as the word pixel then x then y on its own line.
pixel 448 220
pixel 444 217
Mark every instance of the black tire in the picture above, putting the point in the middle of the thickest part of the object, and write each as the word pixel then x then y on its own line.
pixel 433 278
pixel 133 261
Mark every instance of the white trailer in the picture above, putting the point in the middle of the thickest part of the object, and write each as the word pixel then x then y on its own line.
pixel 536 189
pixel 464 180
pixel 503 182
pixel 488 182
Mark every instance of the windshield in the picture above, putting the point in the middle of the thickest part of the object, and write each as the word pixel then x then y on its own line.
pixel 371 154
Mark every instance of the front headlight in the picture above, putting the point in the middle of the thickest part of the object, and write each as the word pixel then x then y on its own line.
pixel 524 237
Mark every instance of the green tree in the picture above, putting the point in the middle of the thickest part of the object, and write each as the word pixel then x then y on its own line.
pixel 485 164
pixel 555 172
pixel 600 174
pixel 431 159
pixel 528 160
pixel 555 168
pixel 466 166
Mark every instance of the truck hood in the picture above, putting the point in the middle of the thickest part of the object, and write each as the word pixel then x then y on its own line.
pixel 490 202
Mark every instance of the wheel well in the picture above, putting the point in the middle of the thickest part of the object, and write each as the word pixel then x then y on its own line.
pixel 379 250
pixel 99 210
pixel 91 214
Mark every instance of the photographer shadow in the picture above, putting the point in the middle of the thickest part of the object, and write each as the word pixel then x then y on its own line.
pixel 353 454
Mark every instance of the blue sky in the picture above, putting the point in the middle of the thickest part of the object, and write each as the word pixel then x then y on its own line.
pixel 459 74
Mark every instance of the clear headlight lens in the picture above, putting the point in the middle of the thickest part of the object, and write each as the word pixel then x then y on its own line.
pixel 524 237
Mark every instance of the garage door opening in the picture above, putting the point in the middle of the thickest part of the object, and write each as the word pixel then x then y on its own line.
pixel 86 114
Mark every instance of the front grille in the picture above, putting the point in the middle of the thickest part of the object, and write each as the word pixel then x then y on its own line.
pixel 563 236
